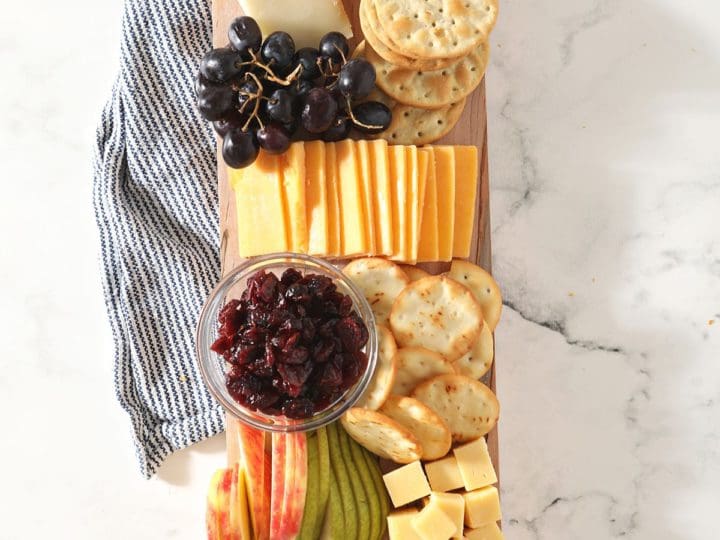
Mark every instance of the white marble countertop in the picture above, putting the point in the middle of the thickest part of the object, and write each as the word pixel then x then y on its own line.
pixel 605 171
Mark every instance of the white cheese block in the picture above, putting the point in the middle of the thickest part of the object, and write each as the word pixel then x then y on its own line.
pixel 305 21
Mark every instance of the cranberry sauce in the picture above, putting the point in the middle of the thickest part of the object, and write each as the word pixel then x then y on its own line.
pixel 293 345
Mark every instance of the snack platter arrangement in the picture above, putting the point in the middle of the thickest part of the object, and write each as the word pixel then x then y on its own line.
pixel 351 339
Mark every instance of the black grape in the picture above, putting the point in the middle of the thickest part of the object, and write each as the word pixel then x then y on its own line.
pixel 240 148
pixel 273 138
pixel 319 110
pixel 338 130
pixel 245 35
pixel 357 78
pixel 374 115
pixel 308 57
pixel 278 51
pixel 214 102
pixel 334 45
pixel 280 106
pixel 220 65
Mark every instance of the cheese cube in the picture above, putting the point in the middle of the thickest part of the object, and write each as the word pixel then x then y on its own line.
pixel 384 218
pixel 482 507
pixel 400 525
pixel 434 524
pixel 466 178
pixel 352 208
pixel 453 506
pixel 316 198
pixel 292 163
pixel 444 474
pixel 406 484
pixel 259 200
pixel 306 22
pixel 428 248
pixel 366 181
pixel 476 468
pixel 486 532
pixel 445 178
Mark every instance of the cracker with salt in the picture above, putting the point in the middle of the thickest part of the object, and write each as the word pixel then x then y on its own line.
pixel 436 28
pixel 414 272
pixel 416 365
pixel 476 362
pixel 483 286
pixel 383 378
pixel 430 89
pixel 380 281
pixel 431 431
pixel 382 435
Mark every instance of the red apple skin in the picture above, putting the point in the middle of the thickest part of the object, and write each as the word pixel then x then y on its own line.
pixel 279 462
pixel 233 530
pixel 218 504
pixel 295 485
pixel 257 461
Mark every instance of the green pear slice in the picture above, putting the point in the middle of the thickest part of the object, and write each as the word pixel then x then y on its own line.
pixel 324 479
pixel 342 477
pixel 356 483
pixel 333 524
pixel 373 498
pixel 311 513
pixel 376 475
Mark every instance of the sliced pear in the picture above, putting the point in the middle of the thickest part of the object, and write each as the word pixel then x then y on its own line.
pixel 311 512
pixel 376 475
pixel 343 482
pixel 324 477
pixel 373 498
pixel 361 499
pixel 333 527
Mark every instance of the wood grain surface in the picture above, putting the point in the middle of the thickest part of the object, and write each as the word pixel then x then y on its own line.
pixel 471 129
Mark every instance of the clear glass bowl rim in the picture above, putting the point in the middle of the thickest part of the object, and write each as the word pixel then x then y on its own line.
pixel 207 330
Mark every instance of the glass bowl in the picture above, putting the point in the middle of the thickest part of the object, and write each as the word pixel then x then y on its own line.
pixel 213 366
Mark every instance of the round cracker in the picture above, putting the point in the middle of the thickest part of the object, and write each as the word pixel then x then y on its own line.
pixel 413 272
pixel 396 58
pixel 413 125
pixel 483 286
pixel 479 359
pixel 380 281
pixel 439 314
pixel 383 379
pixel 382 435
pixel 468 407
pixel 430 89
pixel 430 430
pixel 436 28
pixel 418 364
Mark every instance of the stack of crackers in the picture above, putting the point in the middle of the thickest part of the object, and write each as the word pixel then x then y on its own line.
pixel 429 55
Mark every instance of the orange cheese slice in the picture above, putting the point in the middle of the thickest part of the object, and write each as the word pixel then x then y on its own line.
pixel 383 205
pixel 292 163
pixel 366 182
pixel 397 156
pixel 333 202
pixel 428 249
pixel 316 203
pixel 445 180
pixel 417 198
pixel 352 212
pixel 466 181
pixel 259 198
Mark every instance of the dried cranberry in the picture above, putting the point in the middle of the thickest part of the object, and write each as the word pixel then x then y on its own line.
pixel 322 351
pixel 268 288
pixel 290 276
pixel 330 376
pixel 297 292
pixel 298 408
pixel 297 355
pixel 353 333
pixel 222 344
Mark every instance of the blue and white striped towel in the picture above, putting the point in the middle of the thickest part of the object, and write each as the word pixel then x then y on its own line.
pixel 155 199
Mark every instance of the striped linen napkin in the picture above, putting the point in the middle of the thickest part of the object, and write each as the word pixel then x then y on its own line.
pixel 155 199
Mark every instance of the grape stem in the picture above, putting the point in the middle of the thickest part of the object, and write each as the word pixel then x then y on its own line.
pixel 270 74
pixel 356 121
pixel 257 101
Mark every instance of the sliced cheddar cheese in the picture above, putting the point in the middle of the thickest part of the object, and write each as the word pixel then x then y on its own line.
pixel 352 213
pixel 316 203
pixel 428 249
pixel 382 197
pixel 366 181
pixel 466 178
pixel 333 203
pixel 292 163
pixel 397 158
pixel 445 180
pixel 259 198
pixel 417 194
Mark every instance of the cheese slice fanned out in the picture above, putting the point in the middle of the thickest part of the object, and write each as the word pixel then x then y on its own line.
pixel 305 21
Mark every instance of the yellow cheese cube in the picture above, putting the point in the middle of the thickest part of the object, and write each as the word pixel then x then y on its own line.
pixel 399 185
pixel 400 525
pixel 444 474
pixel 292 163
pixel 428 247
pixel 486 532
pixel 406 484
pixel 432 523
pixel 352 211
pixel 259 200
pixel 482 507
pixel 384 218
pixel 453 506
pixel 333 202
pixel 466 178
pixel 366 181
pixel 316 198
pixel 445 178
pixel 476 468
pixel 417 165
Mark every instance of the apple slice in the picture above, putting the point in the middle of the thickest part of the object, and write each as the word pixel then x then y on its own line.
pixel 257 463
pixel 217 515
pixel 277 490
pixel 239 517
pixel 295 485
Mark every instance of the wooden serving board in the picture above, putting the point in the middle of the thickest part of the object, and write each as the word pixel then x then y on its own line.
pixel 471 129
